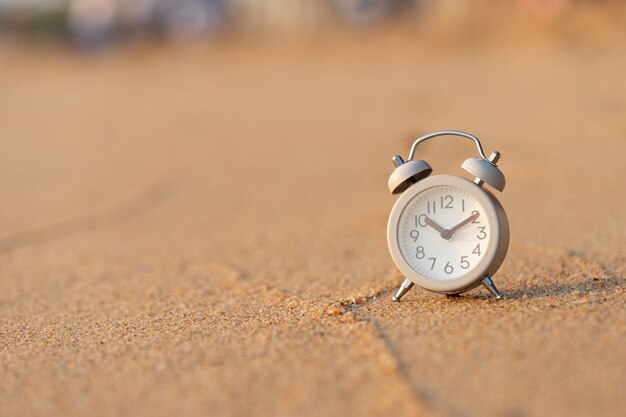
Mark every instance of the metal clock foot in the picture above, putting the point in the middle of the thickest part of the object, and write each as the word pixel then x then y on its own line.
pixel 488 283
pixel 404 288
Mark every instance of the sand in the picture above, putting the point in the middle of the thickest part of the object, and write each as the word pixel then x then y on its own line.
pixel 201 231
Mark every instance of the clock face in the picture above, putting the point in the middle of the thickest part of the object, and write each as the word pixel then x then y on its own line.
pixel 444 232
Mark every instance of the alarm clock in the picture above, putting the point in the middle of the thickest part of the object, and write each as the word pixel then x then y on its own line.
pixel 446 233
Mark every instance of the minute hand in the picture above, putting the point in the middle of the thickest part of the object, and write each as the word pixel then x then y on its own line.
pixel 464 222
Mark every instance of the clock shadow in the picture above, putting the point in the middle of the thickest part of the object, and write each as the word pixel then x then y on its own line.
pixel 581 288
pixel 584 287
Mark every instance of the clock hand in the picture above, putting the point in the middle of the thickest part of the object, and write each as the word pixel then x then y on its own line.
pixel 434 225
pixel 464 222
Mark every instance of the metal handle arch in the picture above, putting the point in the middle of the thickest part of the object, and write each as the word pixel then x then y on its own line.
pixel 446 133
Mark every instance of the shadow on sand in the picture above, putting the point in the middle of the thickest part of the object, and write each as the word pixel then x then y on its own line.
pixel 587 286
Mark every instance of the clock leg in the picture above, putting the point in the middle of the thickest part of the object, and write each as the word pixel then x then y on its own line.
pixel 488 283
pixel 404 288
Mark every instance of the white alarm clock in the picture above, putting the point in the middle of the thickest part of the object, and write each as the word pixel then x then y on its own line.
pixel 446 233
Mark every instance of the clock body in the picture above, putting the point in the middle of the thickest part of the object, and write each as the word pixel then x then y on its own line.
pixel 446 233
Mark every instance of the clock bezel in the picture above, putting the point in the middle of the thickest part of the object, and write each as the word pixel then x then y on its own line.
pixel 492 257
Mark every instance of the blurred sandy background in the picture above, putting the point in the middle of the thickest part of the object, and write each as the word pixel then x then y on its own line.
pixel 194 207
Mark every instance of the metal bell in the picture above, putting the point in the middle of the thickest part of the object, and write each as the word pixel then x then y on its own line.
pixel 486 171
pixel 407 174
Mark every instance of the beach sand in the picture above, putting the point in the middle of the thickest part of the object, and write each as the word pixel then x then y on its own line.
pixel 201 231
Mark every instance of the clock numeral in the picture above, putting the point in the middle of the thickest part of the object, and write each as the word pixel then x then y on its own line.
pixel 473 213
pixel 482 234
pixel 414 234
pixel 463 204
pixel 448 199
pixel 448 269
pixel 421 220
pixel 434 207
pixel 420 252
pixel 477 250
pixel 464 262
pixel 433 265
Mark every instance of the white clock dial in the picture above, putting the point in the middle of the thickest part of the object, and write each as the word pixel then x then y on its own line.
pixel 444 232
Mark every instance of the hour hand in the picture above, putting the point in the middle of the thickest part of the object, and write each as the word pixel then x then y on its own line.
pixel 432 224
